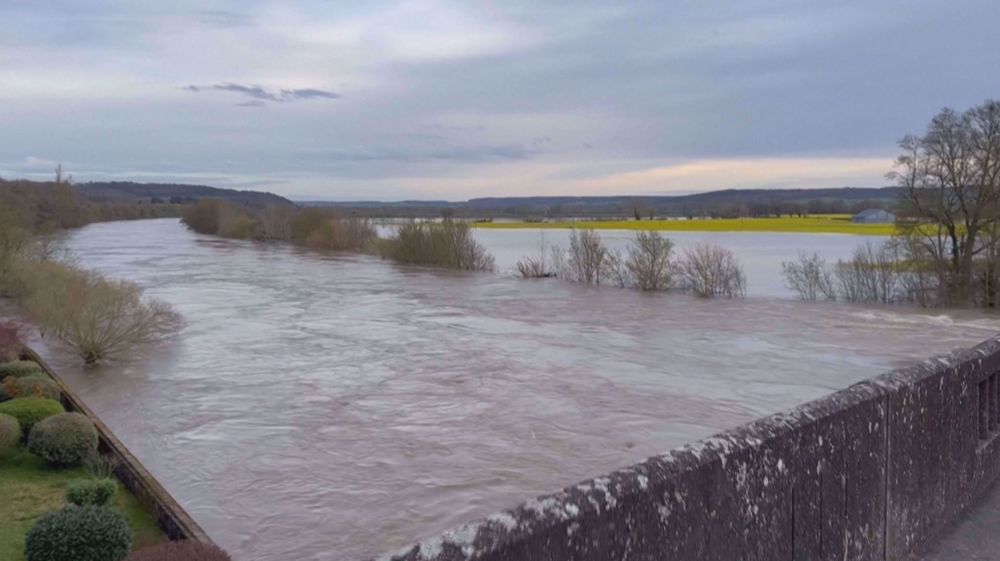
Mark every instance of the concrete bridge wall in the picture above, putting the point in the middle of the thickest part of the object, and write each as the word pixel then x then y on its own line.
pixel 872 472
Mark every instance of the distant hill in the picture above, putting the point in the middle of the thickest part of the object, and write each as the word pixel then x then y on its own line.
pixel 728 196
pixel 729 202
pixel 173 192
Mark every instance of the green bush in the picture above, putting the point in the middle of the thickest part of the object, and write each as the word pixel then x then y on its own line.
pixel 96 492
pixel 75 533
pixel 10 432
pixel 184 550
pixel 29 386
pixel 66 439
pixel 30 410
pixel 19 368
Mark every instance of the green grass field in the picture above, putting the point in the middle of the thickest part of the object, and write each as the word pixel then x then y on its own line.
pixel 814 224
pixel 29 488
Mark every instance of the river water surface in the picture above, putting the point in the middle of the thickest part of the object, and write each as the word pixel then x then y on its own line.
pixel 337 406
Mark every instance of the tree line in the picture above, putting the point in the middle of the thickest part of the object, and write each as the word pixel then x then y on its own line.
pixel 448 243
pixel 947 249
pixel 94 317
pixel 649 263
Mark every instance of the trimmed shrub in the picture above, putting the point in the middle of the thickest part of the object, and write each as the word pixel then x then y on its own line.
pixel 66 439
pixel 19 368
pixel 185 550
pixel 5 392
pixel 29 386
pixel 75 533
pixel 87 492
pixel 30 410
pixel 10 432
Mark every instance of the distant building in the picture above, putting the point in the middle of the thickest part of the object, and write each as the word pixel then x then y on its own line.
pixel 874 216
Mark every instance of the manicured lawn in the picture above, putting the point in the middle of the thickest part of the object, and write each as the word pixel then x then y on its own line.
pixel 29 488
pixel 816 224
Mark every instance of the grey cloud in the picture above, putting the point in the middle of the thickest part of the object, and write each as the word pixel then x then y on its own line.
pixel 261 95
pixel 223 18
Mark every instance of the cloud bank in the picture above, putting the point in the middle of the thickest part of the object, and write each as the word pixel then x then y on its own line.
pixel 446 99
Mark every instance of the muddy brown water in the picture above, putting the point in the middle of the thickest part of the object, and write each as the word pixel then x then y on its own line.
pixel 338 407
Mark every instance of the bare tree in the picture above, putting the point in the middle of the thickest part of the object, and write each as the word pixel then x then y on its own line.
pixel 648 262
pixel 588 256
pixel 873 275
pixel 709 270
pixel 616 271
pixel 97 317
pixel 951 191
pixel 810 277
pixel 14 241
pixel 539 265
pixel 274 223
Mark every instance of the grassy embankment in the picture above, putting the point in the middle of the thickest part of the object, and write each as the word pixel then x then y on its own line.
pixel 814 224
pixel 29 488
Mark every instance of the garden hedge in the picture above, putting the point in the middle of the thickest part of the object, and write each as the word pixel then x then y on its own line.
pixel 97 492
pixel 75 533
pixel 30 410
pixel 29 386
pixel 65 439
pixel 10 432
pixel 19 368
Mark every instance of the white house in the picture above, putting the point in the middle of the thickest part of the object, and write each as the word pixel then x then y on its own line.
pixel 874 216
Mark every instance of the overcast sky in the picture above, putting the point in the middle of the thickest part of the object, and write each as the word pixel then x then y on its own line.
pixel 452 100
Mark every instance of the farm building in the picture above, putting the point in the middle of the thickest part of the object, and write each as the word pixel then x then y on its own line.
pixel 874 216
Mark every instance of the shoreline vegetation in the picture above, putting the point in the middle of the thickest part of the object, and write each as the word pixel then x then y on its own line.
pixel 92 316
pixel 809 224
pixel 447 244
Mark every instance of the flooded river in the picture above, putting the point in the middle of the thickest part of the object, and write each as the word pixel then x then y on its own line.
pixel 337 406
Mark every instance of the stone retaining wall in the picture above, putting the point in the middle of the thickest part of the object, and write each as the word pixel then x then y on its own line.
pixel 872 472
pixel 169 516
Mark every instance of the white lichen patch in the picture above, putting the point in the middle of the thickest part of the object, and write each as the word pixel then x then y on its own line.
pixel 601 484
pixel 463 538
pixel 431 548
pixel 550 506
pixel 741 475
pixel 679 497
pixel 664 512
pixel 504 519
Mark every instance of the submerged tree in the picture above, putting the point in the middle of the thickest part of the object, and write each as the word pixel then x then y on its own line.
pixel 649 262
pixel 98 318
pixel 809 277
pixel 710 270
pixel 950 205
pixel 588 257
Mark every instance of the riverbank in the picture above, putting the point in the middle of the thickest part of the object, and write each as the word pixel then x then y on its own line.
pixel 31 488
pixel 816 224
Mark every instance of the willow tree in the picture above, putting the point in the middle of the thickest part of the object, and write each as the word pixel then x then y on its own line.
pixel 950 205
